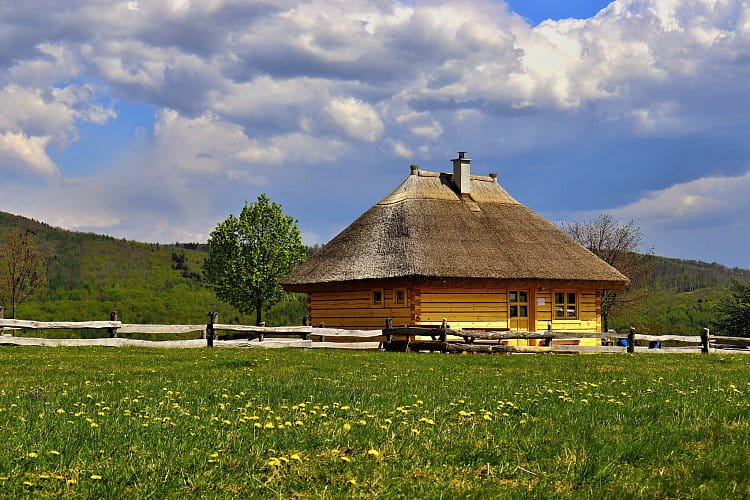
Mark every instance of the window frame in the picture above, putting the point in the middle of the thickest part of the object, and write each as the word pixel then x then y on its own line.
pixel 373 303
pixel 405 302
pixel 565 305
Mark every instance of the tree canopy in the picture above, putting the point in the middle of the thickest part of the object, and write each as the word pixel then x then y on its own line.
pixel 618 245
pixel 23 268
pixel 249 254
pixel 734 311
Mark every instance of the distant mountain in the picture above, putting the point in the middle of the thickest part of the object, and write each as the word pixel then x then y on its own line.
pixel 91 275
pixel 691 275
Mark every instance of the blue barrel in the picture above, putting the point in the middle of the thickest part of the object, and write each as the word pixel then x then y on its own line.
pixel 623 342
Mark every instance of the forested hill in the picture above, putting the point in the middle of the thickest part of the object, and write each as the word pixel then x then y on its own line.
pixel 91 275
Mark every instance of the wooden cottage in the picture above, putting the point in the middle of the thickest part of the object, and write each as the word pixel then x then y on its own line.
pixel 454 246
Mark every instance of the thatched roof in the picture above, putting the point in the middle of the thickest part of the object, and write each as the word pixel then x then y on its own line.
pixel 425 228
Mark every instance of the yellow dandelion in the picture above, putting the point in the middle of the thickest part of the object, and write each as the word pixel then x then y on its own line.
pixel 346 459
pixel 28 484
pixel 373 452
pixel 295 456
pixel 95 477
pixel 269 425
pixel 53 452
pixel 299 422
pixel 32 454
pixel 347 427
pixel 71 481
pixel 353 481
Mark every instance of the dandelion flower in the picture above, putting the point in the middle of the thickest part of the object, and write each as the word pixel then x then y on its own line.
pixel 347 427
pixel 95 477
pixel 353 481
pixel 53 452
pixel 295 456
pixel 373 452
pixel 32 454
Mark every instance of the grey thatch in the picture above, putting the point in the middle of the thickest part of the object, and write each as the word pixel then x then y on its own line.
pixel 425 228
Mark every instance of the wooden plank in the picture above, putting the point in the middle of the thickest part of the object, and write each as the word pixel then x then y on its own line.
pixel 58 325
pixel 494 298
pixel 380 312
pixel 730 340
pixel 263 329
pixel 462 317
pixel 155 329
pixel 678 338
pixel 342 295
pixel 464 307
pixel 103 342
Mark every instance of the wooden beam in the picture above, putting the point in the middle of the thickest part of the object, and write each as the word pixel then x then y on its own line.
pixel 58 325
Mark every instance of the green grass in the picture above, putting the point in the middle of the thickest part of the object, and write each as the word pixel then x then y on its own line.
pixel 138 422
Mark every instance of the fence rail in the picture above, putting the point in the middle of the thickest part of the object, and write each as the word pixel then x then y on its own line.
pixel 442 338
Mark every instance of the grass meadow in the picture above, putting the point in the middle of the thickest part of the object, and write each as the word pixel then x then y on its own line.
pixel 98 422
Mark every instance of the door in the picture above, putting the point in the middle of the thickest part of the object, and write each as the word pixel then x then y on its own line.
pixel 518 310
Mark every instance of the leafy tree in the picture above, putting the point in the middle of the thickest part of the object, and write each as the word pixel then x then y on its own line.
pixel 23 268
pixel 734 311
pixel 248 255
pixel 619 246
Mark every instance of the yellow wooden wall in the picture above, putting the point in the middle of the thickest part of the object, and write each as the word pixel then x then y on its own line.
pixel 354 309
pixel 462 307
pixel 589 312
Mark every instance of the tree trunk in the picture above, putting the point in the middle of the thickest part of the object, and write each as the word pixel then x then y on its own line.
pixel 605 322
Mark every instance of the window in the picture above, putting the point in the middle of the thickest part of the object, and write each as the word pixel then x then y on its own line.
pixel 399 296
pixel 566 305
pixel 377 297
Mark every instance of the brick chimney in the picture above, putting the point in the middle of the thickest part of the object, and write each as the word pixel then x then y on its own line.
pixel 462 173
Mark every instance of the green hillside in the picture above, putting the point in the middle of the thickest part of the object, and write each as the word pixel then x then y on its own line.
pixel 91 275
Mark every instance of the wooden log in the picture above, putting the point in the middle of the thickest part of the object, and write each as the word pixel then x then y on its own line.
pixel 58 325
pixel 100 342
pixel 662 338
pixel 631 340
pixel 704 341
pixel 156 329
pixel 112 331
pixel 731 340
pixel 264 329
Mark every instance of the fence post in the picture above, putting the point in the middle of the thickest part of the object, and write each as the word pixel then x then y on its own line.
pixel 631 340
pixel 2 313
pixel 388 326
pixel 444 333
pixel 548 341
pixel 306 321
pixel 112 330
pixel 704 340
pixel 213 317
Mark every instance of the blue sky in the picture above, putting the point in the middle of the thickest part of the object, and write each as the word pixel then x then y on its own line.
pixel 153 120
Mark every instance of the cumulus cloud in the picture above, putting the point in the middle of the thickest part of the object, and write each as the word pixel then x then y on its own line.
pixel 357 119
pixel 708 200
pixel 243 89
pixel 25 154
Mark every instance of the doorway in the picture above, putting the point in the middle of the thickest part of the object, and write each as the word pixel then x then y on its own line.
pixel 518 310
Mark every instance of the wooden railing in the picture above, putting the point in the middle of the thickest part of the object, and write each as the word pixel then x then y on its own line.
pixel 442 338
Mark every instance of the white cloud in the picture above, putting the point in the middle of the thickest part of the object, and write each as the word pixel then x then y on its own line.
pixel 399 149
pixel 22 153
pixel 358 120
pixel 718 200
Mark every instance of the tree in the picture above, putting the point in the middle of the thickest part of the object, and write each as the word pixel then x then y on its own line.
pixel 23 268
pixel 248 255
pixel 734 311
pixel 619 246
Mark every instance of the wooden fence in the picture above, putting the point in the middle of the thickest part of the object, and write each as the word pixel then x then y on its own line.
pixel 440 339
